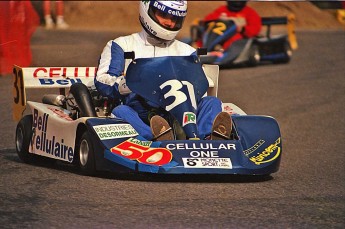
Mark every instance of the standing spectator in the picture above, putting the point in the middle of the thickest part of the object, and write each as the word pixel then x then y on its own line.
pixel 60 21
pixel 18 21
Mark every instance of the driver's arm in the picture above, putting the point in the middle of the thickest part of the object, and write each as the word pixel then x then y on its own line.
pixel 253 26
pixel 109 80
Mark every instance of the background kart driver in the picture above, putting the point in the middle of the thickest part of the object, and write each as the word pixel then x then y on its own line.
pixel 247 22
pixel 157 39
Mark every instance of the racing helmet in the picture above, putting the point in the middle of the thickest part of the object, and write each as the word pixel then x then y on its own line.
pixel 175 11
pixel 236 6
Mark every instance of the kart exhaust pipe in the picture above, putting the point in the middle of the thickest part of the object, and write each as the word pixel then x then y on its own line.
pixel 53 99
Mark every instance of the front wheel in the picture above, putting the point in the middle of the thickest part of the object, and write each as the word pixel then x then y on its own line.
pixel 86 154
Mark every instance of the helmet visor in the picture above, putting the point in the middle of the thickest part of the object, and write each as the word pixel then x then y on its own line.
pixel 167 20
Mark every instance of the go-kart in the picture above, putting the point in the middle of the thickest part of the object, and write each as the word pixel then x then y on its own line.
pixel 75 126
pixel 266 48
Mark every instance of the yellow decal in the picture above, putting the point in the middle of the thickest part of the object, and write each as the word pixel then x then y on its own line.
pixel 271 150
pixel 217 28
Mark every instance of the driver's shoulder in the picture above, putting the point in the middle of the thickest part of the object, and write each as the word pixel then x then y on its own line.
pixel 127 41
pixel 186 48
pixel 130 37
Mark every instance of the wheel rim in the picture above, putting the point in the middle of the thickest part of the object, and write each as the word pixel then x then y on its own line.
pixel 256 55
pixel 288 50
pixel 84 152
pixel 289 53
pixel 19 139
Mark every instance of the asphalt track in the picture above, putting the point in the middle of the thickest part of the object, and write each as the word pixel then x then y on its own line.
pixel 306 96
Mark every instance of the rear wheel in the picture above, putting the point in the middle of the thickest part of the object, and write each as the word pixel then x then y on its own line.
pixel 287 54
pixel 86 154
pixel 24 133
pixel 23 137
pixel 254 56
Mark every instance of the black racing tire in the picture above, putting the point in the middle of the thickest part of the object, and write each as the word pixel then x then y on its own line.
pixel 86 155
pixel 23 137
pixel 254 56
pixel 288 54
pixel 24 132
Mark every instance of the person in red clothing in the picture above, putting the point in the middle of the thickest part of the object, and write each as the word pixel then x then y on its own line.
pixel 245 18
pixel 60 21
pixel 18 22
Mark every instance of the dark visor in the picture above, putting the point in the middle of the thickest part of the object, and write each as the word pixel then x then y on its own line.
pixel 153 11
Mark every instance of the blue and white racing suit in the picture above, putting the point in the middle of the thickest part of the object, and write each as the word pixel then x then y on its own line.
pixel 112 66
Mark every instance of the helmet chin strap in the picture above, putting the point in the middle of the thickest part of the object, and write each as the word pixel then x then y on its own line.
pixel 156 41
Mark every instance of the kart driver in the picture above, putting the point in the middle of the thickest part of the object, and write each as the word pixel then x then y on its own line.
pixel 156 39
pixel 247 22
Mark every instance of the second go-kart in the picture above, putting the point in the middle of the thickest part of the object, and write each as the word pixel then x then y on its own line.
pixel 266 48
pixel 76 128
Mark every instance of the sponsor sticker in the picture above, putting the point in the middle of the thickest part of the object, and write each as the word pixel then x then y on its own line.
pixel 62 114
pixel 271 153
pixel 46 144
pixel 134 149
pixel 114 131
pixel 188 117
pixel 204 163
pixel 252 149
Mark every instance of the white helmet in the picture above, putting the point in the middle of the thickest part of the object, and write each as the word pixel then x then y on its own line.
pixel 174 10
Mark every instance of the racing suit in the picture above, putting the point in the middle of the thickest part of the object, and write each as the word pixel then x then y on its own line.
pixel 250 29
pixel 134 110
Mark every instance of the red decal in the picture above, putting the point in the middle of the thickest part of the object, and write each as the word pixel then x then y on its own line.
pixel 156 156
pixel 143 154
pixel 54 72
pixel 64 72
pixel 39 69
pixel 129 150
pixel 75 72
pixel 61 114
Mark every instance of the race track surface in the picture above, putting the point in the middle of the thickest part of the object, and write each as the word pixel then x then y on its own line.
pixel 306 96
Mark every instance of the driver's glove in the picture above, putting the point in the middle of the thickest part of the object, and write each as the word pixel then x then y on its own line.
pixel 123 89
pixel 240 22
